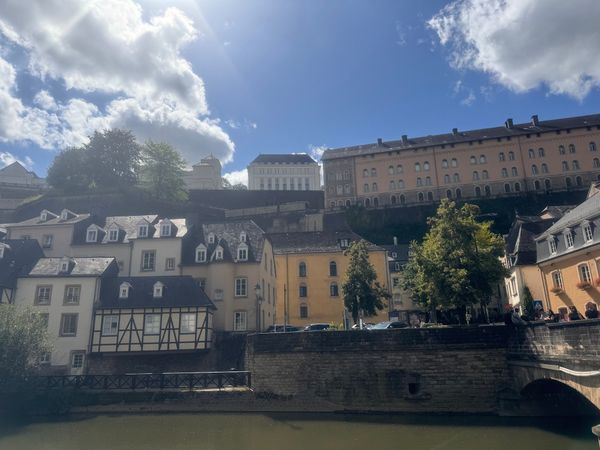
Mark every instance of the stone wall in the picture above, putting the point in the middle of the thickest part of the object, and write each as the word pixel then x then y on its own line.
pixel 457 369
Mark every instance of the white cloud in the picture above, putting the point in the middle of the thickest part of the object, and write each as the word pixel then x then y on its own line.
pixel 524 44
pixel 316 152
pixel 7 159
pixel 107 46
pixel 237 177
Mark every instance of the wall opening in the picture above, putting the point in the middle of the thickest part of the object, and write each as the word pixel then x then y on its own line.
pixel 553 398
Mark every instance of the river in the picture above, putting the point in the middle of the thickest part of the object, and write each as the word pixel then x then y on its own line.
pixel 298 431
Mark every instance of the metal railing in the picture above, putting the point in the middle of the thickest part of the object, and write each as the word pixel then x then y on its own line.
pixel 183 381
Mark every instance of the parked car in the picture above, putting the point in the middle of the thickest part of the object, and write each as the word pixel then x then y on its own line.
pixel 389 325
pixel 319 327
pixel 282 329
pixel 366 326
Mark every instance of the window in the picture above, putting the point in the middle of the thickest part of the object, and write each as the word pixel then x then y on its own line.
pixel 333 269
pixel 458 193
pixel 454 162
pixel 449 193
pixel 43 295
pixel 392 186
pixel 373 172
pixel 399 168
pixel 45 358
pixel 541 152
pixel 218 253
pixel 344 243
pixel 77 359
pixel 517 187
pixel 374 187
pixel 484 174
pixel 72 294
pixel 537 185
pixel 507 188
pixel 302 269
pixel 561 150
pixel 421 197
pixel 240 319
pixel 531 153
pixel 475 175
pixel 187 323
pixel 143 231
pixel 419 181
pixel 571 148
pixel 477 191
pixel 417 167
pixel 43 216
pixel 473 160
pixel 152 324
pixel 201 253
pixel 243 236
pixel 157 291
pixel 593 147
pixel 552 245
pixel 547 184
pixel 366 187
pixel 557 279
pixel 544 168
pixel 211 238
pixel 92 235
pixel 391 170
pixel 242 253
pixel 534 170
pixel 444 163
pixel 488 191
pixel 47 241
pixel 501 156
pixel 165 229
pixel 585 276
pixel 400 184
pixel 124 290
pixel 511 156
pixel 365 173
pixel 110 325
pixel 113 234
pixel 482 159
pixel 596 163
pixel 302 290
pixel 170 264
pixel 68 324
pixel 456 178
pixel 241 287
pixel 579 181
pixel 588 235
pixel 504 172
pixel 218 294
pixel 402 199
pixel 426 166
pixel 304 311
pixel 513 286
pixel 569 239
pixel 514 172
pixel 447 179
pixel 575 164
pixel 148 260
pixel 568 182
pixel 333 290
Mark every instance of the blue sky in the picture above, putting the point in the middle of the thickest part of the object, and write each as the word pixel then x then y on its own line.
pixel 236 78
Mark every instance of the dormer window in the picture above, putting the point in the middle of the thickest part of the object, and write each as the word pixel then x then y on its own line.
pixel 165 228
pixel 91 235
pixel 588 235
pixel 211 238
pixel 344 243
pixel 64 265
pixel 64 215
pixel 569 239
pixel 157 292
pixel 200 253
pixel 113 234
pixel 143 231
pixel 44 216
pixel 242 236
pixel 552 245
pixel 242 252
pixel 219 253
pixel 124 290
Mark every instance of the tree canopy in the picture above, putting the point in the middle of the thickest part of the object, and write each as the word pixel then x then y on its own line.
pixel 161 172
pixel 362 291
pixel 113 157
pixel 457 264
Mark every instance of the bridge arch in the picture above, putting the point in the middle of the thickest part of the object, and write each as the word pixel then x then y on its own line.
pixel 556 397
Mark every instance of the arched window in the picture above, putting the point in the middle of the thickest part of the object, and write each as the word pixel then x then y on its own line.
pixel 392 185
pixel 517 187
pixel 456 178
pixel 333 290
pixel 302 290
pixel 501 156
pixel 514 172
pixel 475 175
pixel 454 162
pixel 484 174
pixel 544 168
pixel 446 178
pixel 504 172
pixel 547 184
pixel 348 204
pixel 399 168
pixel 571 148
pixel 332 205
pixel 366 187
pixel 200 253
pixel 365 173
pixel 367 202
pixel 391 170
pixel 430 196
pixel 426 166
pixel 534 170
pixel 374 187
pixel 449 193
pixel 541 152
pixel 302 269
pixel 531 153
pixel 506 187
pixel 332 269
pixel 477 191
pixel 375 202
pixel 578 181
pixel 393 199
pixel 373 172
pixel 561 150
pixel 421 197
pixel 400 184
pixel 482 159
pixel 444 164
pixel 568 182
pixel 419 181
pixel 488 191
pixel 511 156
pixel 593 147
pixel 565 166
pixel 596 162
pixel 575 164
pixel 402 199
pixel 427 181
pixel 537 185
pixel 417 167
pixel 473 160
pixel 458 193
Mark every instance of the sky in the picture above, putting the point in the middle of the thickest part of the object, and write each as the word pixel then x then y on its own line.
pixel 235 78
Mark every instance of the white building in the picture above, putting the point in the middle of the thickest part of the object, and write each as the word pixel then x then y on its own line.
pixel 287 172
pixel 204 175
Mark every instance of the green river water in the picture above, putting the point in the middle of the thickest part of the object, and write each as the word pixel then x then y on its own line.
pixel 298 431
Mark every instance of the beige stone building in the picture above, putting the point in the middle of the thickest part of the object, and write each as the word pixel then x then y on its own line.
pixel 204 175
pixel 539 156
pixel 233 262
pixel 284 172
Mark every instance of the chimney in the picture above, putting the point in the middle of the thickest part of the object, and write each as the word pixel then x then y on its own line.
pixel 404 139
pixel 379 142
pixel 509 124
pixel 395 240
pixel 535 121
pixel 455 131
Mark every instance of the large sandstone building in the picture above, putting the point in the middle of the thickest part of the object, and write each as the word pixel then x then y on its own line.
pixel 287 172
pixel 539 156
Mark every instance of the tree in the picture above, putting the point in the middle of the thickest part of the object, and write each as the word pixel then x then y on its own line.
pixel 528 306
pixel 113 157
pixel 161 172
pixel 233 187
pixel 362 291
pixel 70 170
pixel 457 264
pixel 23 340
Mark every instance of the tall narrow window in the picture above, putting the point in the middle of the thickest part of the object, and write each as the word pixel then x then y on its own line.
pixel 475 175
pixel 504 172
pixel 484 174
pixel 417 167
pixel 333 269
pixel 534 170
pixel 544 168
pixel 501 156
pixel 531 153
pixel 302 290
pixel 587 232
pixel 148 260
pixel 585 276
pixel 240 321
pixel 557 279
pixel 593 147
pixel 561 150
pixel 333 290
pixel 444 164
pixel 514 172
pixel 571 148
pixel 511 156
pixel 365 173
pixel 391 170
pixel 541 152
pixel 482 159
pixel 575 164
pixel 552 245
pixel 456 178
pixel 473 160
pixel 302 269
pixel 569 242
pixel 454 162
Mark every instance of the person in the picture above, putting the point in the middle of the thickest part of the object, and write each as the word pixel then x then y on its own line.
pixel 516 318
pixel 549 316
pixel 591 311
pixel 574 314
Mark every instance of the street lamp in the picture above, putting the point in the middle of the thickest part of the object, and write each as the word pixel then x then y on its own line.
pixel 259 299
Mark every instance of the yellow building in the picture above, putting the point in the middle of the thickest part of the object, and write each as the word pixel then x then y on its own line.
pixel 568 255
pixel 311 269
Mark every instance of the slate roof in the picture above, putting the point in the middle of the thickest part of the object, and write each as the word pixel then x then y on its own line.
pixel 20 255
pixel 227 235
pixel 79 267
pixel 177 291
pixel 464 136
pixel 314 242
pixel 520 241
pixel 17 168
pixel 285 158
pixel 589 209
pixel 127 229
pixel 401 255
pixel 53 219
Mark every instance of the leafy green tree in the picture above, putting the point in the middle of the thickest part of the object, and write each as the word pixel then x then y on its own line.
pixel 528 306
pixel 113 157
pixel 161 172
pixel 70 170
pixel 457 264
pixel 23 340
pixel 233 187
pixel 362 291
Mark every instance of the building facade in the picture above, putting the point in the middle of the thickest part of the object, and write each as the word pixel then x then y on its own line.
pixel 286 172
pixel 540 156
pixel 17 258
pixel 233 263
pixel 206 175
pixel 311 269
pixel 568 255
